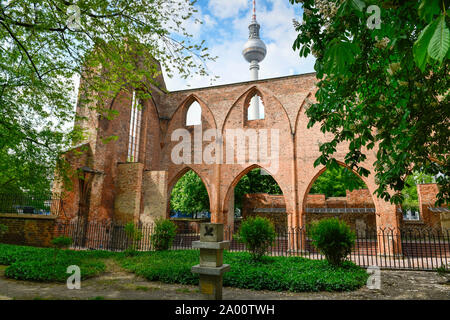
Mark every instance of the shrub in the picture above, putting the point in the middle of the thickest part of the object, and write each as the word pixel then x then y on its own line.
pixel 333 238
pixel 257 234
pixel 62 242
pixel 134 235
pixel 163 234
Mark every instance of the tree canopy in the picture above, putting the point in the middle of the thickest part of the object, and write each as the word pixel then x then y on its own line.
pixel 47 45
pixel 383 81
pixel 189 195
pixel 335 182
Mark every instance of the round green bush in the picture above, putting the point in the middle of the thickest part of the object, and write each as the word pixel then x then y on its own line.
pixel 163 234
pixel 333 238
pixel 257 234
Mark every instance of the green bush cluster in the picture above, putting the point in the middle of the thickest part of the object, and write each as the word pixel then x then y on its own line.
pixel 163 234
pixel 270 273
pixel 258 234
pixel 40 264
pixel 61 242
pixel 333 238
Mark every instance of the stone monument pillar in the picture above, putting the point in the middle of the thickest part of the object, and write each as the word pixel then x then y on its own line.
pixel 211 267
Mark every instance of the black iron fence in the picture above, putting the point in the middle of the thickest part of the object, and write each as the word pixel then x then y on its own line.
pixel 45 204
pixel 388 249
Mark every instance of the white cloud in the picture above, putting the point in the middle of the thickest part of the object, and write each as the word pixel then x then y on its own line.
pixel 227 8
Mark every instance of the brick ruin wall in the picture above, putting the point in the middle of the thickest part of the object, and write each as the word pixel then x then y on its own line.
pixel 28 229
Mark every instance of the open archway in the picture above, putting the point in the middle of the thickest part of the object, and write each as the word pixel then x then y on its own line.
pixel 340 193
pixel 189 198
pixel 254 192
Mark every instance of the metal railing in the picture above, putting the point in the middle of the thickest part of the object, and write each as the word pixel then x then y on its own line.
pixel 388 249
pixel 44 204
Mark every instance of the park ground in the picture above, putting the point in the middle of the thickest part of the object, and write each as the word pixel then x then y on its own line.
pixel 119 284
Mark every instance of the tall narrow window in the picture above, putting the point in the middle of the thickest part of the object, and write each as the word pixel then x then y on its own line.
pixel 255 109
pixel 135 130
pixel 194 114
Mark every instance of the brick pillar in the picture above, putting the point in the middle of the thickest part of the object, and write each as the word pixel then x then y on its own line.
pixel 155 184
pixel 427 197
pixel 127 202
pixel 388 229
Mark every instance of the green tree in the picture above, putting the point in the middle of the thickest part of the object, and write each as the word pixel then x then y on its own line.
pixel 111 46
pixel 335 182
pixel 189 195
pixel 383 85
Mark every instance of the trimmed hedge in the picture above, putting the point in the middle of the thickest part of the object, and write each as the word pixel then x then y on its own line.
pixel 271 273
pixel 41 264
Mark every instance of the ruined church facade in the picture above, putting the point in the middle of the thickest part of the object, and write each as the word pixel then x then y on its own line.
pixel 120 188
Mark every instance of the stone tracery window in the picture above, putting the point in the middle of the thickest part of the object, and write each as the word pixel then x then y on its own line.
pixel 135 130
pixel 194 114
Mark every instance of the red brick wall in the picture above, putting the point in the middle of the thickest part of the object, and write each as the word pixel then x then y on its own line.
pixel 30 230
pixel 355 199
pixel 427 198
pixel 264 200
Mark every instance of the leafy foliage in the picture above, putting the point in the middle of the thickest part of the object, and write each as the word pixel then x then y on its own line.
pixel 384 87
pixel 39 264
pixel 163 234
pixel 272 273
pixel 333 238
pixel 335 182
pixel 189 195
pixel 258 234
pixel 134 235
pixel 61 242
pixel 113 47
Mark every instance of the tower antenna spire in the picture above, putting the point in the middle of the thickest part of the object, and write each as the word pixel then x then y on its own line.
pixel 254 52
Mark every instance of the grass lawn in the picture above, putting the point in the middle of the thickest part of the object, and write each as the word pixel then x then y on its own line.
pixel 272 273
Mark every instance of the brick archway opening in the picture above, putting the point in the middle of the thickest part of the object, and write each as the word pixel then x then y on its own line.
pixel 196 209
pixel 270 205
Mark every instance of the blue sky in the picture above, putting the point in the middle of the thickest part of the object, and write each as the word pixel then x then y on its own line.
pixel 225 30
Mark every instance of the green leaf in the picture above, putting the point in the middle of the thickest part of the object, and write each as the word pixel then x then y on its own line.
pixel 339 56
pixel 440 42
pixel 420 48
pixel 428 9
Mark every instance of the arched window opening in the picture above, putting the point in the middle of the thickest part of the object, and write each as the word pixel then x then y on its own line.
pixel 255 110
pixel 194 114
pixel 257 194
pixel 135 130
pixel 189 198
pixel 340 193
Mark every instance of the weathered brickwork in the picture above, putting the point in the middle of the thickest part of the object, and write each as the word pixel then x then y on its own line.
pixel 29 229
pixel 427 199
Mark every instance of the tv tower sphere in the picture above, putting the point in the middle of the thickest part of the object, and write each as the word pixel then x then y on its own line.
pixel 254 49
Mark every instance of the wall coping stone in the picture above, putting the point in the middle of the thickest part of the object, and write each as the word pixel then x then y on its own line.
pixel 28 216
